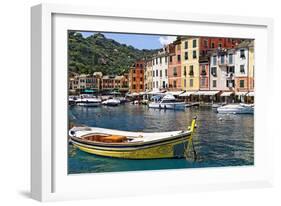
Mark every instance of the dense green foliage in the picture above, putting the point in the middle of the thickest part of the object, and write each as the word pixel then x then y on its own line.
pixel 97 53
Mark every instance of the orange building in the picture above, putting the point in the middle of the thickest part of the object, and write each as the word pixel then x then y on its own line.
pixel 174 65
pixel 136 77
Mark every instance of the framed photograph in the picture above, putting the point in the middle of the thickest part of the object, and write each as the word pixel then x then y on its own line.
pixel 138 102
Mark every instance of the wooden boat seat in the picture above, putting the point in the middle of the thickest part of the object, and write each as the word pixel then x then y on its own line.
pixel 106 138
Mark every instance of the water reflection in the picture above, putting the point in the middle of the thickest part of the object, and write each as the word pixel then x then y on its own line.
pixel 220 140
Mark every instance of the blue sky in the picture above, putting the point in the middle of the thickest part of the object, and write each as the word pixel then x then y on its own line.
pixel 137 40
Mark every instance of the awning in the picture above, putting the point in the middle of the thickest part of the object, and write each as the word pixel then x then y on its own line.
pixel 176 93
pixel 187 94
pixel 251 94
pixel 89 90
pixel 154 92
pixel 226 94
pixel 132 95
pixel 115 93
pixel 142 93
pixel 240 93
pixel 206 93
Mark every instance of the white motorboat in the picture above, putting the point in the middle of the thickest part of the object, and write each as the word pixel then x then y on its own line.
pixel 217 105
pixel 88 101
pixel 71 100
pixel 167 102
pixel 236 109
pixel 111 102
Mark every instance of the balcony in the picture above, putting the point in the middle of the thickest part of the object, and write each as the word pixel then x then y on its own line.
pixel 230 75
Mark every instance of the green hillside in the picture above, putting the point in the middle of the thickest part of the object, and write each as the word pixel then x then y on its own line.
pixel 97 53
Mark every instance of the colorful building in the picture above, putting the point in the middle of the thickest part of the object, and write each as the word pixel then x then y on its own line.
pixel 148 78
pixel 174 66
pixel 222 70
pixel 251 67
pixel 73 82
pixel 190 63
pixel 136 77
pixel 242 68
pixel 89 82
pixel 160 70
pixel 196 52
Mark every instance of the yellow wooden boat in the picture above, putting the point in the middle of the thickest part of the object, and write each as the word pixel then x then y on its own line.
pixel 132 145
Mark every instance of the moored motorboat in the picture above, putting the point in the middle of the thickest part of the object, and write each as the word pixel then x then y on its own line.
pixel 132 145
pixel 71 100
pixel 217 105
pixel 167 102
pixel 236 109
pixel 88 101
pixel 111 102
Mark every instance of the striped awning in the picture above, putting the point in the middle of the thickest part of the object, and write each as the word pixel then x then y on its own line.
pixel 240 93
pixel 176 93
pixel 132 94
pixel 142 93
pixel 226 94
pixel 251 94
pixel 207 93
pixel 187 94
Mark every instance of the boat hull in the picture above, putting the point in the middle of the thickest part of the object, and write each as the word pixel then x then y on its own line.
pixel 179 106
pixel 88 104
pixel 238 110
pixel 174 148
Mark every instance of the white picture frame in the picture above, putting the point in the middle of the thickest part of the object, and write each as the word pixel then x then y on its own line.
pixel 49 180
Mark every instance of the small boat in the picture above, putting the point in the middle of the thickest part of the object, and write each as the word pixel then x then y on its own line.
pixel 217 105
pixel 111 102
pixel 132 145
pixel 122 99
pixel 167 102
pixel 188 105
pixel 88 102
pixel 136 102
pixel 71 100
pixel 236 109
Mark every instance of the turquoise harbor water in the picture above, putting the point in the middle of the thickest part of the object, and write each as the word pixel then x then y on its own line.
pixel 220 140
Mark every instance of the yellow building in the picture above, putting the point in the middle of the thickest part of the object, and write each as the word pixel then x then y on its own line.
pixel 251 66
pixel 190 63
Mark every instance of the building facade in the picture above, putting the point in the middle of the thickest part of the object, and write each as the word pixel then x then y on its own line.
pixel 73 82
pixel 190 63
pixel 136 77
pixel 251 67
pixel 160 71
pixel 97 82
pixel 242 67
pixel 148 78
pixel 222 70
pixel 174 66
pixel 204 75
pixel 232 70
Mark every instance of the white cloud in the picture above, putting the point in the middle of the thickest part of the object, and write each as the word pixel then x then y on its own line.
pixel 164 40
